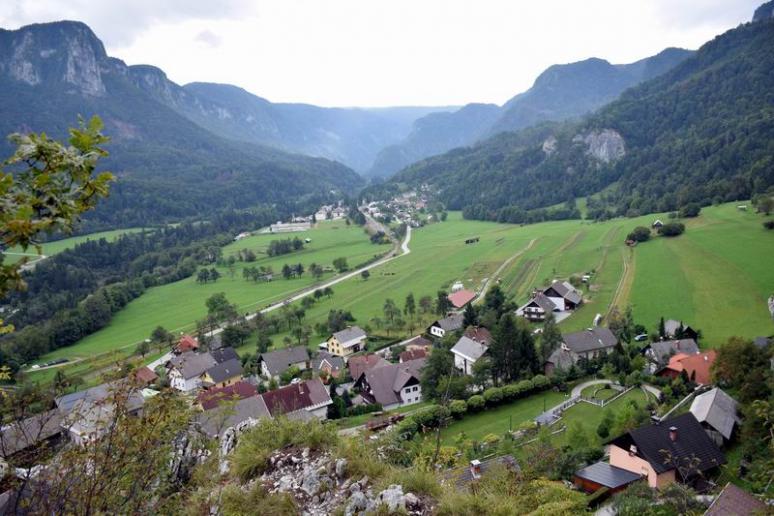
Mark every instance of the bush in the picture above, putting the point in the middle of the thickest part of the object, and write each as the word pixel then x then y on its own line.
pixel 493 396
pixel 357 410
pixel 511 391
pixel 458 408
pixel 407 428
pixel 672 229
pixel 524 387
pixel 769 224
pixel 639 234
pixel 475 403
pixel 431 416
pixel 690 210
pixel 539 381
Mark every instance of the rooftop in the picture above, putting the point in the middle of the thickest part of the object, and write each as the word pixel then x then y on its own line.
pixel 461 298
pixel 717 409
pixel 469 348
pixel 590 340
pixel 607 475
pixel 278 361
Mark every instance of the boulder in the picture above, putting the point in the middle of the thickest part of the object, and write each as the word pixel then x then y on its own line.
pixel 341 467
pixel 393 498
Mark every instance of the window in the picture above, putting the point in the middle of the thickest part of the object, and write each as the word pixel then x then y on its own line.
pixel 415 389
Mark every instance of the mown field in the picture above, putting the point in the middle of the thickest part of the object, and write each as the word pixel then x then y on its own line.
pixel 15 254
pixel 178 305
pixel 715 277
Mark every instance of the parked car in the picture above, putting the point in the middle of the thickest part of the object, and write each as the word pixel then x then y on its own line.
pixel 641 337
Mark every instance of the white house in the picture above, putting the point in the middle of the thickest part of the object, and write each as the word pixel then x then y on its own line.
pixel 392 385
pixel 440 327
pixel 466 353
pixel 185 370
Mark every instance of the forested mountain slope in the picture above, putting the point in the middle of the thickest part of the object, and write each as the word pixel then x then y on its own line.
pixel 703 132
pixel 559 93
pixel 167 166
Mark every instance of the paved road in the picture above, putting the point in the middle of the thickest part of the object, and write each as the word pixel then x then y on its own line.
pixel 576 391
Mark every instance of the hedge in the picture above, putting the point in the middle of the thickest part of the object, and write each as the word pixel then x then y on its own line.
pixel 475 403
pixel 493 395
pixel 458 408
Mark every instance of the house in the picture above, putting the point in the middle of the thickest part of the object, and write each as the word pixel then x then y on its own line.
pixel 536 308
pixel 245 412
pixel 676 449
pixel 212 398
pixel 222 374
pixel 310 396
pixel 604 475
pixel 658 353
pixel 672 330
pixel 418 342
pixel 441 327
pixel 735 500
pixel 87 414
pixel 392 385
pixel 328 364
pixel 466 353
pixel 461 298
pixel 718 413
pixel 274 363
pixel 657 223
pixel 587 344
pixel 20 440
pixel 347 341
pixel 563 295
pixel 412 354
pixel 145 376
pixel 698 367
pixel 359 364
pixel 186 343
pixel 479 334
pixel 185 370
pixel 461 478
pixel 224 354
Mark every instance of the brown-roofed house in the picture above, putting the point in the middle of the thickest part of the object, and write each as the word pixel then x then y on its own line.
pixel 735 501
pixel 479 334
pixel 359 364
pixel 211 398
pixel 392 385
pixel 311 396
pixel 413 354
pixel 461 298
pixel 187 343
pixel 698 367
pixel 419 342
pixel 145 376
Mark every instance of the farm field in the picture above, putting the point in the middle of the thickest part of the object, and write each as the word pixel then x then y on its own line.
pixel 57 246
pixel 715 277
pixel 178 305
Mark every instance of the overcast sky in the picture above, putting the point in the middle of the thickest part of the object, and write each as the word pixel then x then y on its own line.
pixel 383 52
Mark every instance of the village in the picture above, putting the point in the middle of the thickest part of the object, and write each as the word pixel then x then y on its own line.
pixel 685 440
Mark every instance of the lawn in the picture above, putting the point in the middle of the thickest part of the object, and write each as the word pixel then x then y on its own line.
pixel 57 246
pixel 501 419
pixel 599 392
pixel 178 305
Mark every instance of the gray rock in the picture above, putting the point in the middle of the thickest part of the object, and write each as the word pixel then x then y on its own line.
pixel 354 488
pixel 357 503
pixel 310 482
pixel 606 145
pixel 393 498
pixel 411 499
pixel 341 467
pixel 285 484
pixel 305 453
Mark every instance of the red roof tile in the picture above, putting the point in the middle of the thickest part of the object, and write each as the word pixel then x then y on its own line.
pixel 145 375
pixel 296 397
pixel 359 364
pixel 461 298
pixel 187 343
pixel 698 366
pixel 412 354
pixel 211 398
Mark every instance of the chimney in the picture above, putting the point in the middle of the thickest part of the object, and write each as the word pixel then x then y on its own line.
pixel 673 433
pixel 475 468
pixel 632 450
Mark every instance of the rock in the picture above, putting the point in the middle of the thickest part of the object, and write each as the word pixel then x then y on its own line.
pixel 310 482
pixel 549 145
pixel 363 481
pixel 606 145
pixel 305 453
pixel 341 467
pixel 393 498
pixel 411 499
pixel 356 504
pixel 296 460
pixel 285 483
pixel 354 488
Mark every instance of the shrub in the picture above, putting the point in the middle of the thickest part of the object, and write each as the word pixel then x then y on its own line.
pixel 407 428
pixel 671 229
pixel 539 381
pixel 357 410
pixel 639 234
pixel 493 396
pixel 511 391
pixel 491 439
pixel 475 403
pixel 524 386
pixel 690 210
pixel 431 416
pixel 458 408
pixel 769 224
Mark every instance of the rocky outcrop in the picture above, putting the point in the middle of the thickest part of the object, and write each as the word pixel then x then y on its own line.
pixel 549 145
pixel 764 12
pixel 320 484
pixel 606 145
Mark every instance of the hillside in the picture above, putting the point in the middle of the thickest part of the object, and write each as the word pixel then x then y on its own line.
pixel 168 166
pixel 702 132
pixel 560 92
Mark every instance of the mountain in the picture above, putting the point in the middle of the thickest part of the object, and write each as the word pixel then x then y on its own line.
pixel 702 132
pixel 560 92
pixel 764 12
pixel 168 166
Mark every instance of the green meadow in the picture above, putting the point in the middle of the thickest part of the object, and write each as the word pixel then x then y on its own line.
pixel 716 277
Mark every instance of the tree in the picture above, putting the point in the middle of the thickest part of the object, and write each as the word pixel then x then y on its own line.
pixel 622 325
pixel 51 186
pixel 470 317
pixel 391 310
pixel 442 303
pixel 764 203
pixel 639 234
pixel 287 272
pixel 328 291
pixel 316 271
pixel 482 371
pixel 203 276
pixel 425 304
pixel 365 274
pixel 143 348
pixel 690 210
pixel 235 335
pixel 214 275
pixel 410 307
pixel 661 329
pixel 438 365
pixel 512 351
pixel 220 309
pixel 550 339
pixel 299 269
pixel 744 367
pixel 671 229
pixel 495 300
pixel 317 294
pixel 340 264
pixel 264 343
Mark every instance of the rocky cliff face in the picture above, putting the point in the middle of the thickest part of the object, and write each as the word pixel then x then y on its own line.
pixel 606 145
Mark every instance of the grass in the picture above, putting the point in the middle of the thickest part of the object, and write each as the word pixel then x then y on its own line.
pixel 599 392
pixel 353 421
pixel 715 277
pixel 178 305
pixel 499 420
pixel 57 246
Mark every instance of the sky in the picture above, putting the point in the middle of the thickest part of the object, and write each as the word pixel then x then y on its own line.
pixel 383 52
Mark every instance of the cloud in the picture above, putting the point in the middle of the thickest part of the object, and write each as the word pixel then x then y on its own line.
pixel 209 38
pixel 120 22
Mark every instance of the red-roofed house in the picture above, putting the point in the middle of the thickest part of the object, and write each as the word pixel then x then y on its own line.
pixel 412 354
pixel 145 376
pixel 461 298
pixel 310 396
pixel 211 398
pixel 359 364
pixel 187 343
pixel 698 367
